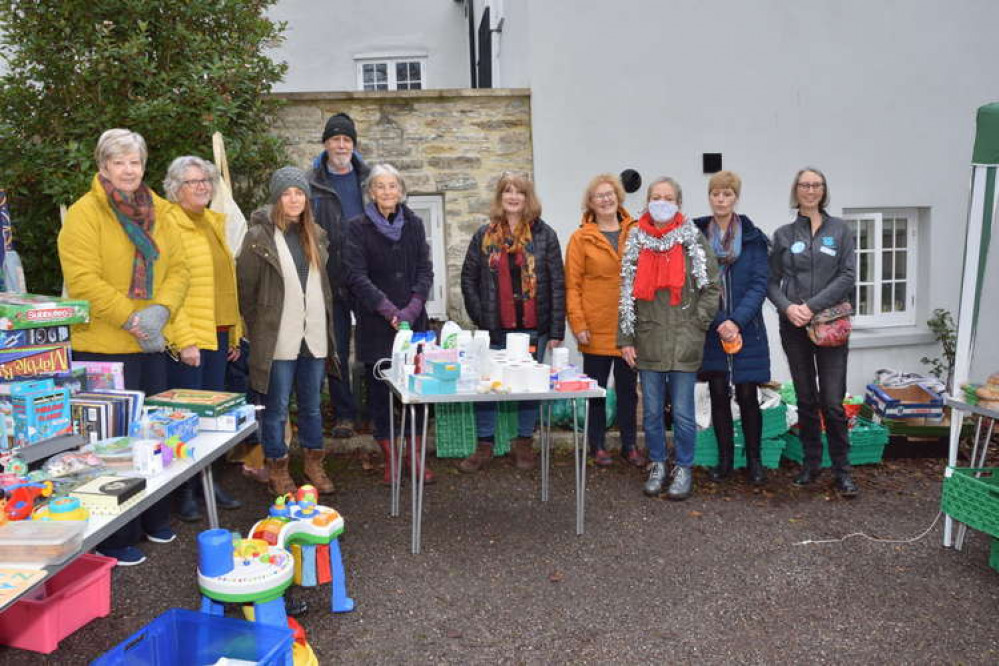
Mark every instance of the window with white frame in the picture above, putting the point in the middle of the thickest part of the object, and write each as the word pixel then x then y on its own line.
pixel 391 73
pixel 886 242
pixel 430 208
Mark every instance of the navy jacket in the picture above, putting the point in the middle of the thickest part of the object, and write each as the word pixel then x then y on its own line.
pixel 747 286
pixel 379 268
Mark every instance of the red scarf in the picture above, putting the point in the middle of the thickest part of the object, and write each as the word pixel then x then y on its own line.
pixel 660 270
pixel 500 245
pixel 507 304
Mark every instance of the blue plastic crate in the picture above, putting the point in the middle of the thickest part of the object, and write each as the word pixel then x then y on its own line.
pixel 181 636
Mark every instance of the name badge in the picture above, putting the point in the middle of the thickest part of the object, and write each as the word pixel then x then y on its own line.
pixel 827 250
pixel 798 247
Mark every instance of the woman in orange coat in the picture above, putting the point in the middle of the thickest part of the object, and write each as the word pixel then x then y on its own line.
pixel 592 289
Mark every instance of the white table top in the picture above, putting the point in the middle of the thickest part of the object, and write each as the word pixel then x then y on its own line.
pixel 409 398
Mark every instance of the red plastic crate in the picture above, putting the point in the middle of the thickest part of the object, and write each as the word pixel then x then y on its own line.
pixel 69 600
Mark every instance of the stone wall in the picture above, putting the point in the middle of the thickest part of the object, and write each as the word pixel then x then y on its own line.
pixel 450 142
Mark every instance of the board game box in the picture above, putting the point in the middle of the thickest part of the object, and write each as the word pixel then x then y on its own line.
pixel 202 403
pixel 19 311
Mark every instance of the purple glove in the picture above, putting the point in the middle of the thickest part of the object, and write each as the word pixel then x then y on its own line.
pixel 387 310
pixel 412 309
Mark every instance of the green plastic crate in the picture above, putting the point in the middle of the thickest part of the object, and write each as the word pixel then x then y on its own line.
pixel 867 445
pixel 455 429
pixel 973 501
pixel 706 453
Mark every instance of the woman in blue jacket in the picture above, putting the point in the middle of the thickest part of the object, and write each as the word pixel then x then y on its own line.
pixel 741 250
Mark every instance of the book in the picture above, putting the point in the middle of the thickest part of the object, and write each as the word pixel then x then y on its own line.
pixel 109 495
pixel 91 419
pixel 103 374
pixel 202 403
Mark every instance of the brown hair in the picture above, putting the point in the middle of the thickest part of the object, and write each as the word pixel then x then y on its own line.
pixel 825 188
pixel 521 183
pixel 306 229
pixel 596 182
pixel 725 180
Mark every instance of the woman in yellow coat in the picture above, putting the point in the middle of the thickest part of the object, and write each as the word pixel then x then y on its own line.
pixel 592 289
pixel 119 252
pixel 204 336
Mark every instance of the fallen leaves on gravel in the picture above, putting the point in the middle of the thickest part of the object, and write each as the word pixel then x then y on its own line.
pixel 556 576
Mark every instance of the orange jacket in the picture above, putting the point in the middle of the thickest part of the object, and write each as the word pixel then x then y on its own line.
pixel 593 284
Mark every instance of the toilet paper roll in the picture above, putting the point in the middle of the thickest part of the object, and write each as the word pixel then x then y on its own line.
pixel 518 346
pixel 560 357
pixel 515 377
pixel 539 378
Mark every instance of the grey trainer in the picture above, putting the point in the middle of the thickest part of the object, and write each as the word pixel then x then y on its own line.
pixel 682 485
pixel 657 479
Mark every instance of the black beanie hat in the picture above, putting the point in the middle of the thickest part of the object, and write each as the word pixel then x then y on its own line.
pixel 339 124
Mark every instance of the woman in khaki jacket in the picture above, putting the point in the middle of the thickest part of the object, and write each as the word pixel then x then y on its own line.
pixel 592 290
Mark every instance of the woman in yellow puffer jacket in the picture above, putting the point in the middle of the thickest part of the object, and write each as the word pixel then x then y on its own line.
pixel 204 336
pixel 119 252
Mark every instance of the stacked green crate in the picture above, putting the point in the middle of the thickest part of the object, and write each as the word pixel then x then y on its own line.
pixel 455 429
pixel 867 444
pixel 774 427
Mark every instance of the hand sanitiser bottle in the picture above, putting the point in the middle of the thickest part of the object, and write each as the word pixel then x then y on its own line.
pixel 400 350
pixel 449 335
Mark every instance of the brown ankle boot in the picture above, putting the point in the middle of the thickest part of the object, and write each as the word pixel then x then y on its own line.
pixel 523 453
pixel 483 454
pixel 428 474
pixel 315 472
pixel 386 446
pixel 279 482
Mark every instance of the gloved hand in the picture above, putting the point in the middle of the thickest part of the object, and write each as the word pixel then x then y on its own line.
pixel 387 310
pixel 147 327
pixel 412 310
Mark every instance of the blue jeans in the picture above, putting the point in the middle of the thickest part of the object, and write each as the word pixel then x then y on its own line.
pixel 344 406
pixel 527 410
pixel 681 394
pixel 307 376
pixel 209 375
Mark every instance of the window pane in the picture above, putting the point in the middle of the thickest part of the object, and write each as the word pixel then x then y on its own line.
pixel 901 264
pixel 900 291
pixel 865 261
pixel 865 300
pixel 864 241
pixel 414 71
pixel 887 233
pixel 886 264
pixel 886 297
pixel 402 73
pixel 901 232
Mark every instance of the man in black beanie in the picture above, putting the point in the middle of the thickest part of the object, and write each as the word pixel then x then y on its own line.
pixel 336 183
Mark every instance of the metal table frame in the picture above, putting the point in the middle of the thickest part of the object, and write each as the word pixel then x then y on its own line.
pixel 410 401
pixel 984 426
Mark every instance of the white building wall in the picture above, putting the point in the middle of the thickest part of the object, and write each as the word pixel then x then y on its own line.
pixel 324 36
pixel 880 95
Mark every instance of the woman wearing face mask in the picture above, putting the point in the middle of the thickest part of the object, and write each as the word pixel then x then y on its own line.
pixel 669 297
pixel 736 349
pixel 812 267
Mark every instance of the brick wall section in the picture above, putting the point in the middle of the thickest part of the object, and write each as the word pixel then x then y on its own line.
pixel 450 142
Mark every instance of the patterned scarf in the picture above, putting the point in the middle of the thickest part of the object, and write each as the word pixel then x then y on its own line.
pixel 135 214
pixel 727 246
pixel 660 269
pixel 500 245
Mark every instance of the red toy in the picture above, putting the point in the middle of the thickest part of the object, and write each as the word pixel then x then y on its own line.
pixel 21 499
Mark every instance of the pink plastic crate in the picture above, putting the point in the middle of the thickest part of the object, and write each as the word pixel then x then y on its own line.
pixel 70 599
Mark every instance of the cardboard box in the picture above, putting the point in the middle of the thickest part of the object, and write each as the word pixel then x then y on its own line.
pixel 164 424
pixel 202 403
pixel 19 311
pixel 30 362
pixel 110 495
pixel 915 401
pixel 231 421
pixel 40 410
pixel 34 337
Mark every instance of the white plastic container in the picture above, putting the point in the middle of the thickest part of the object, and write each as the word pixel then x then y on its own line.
pixel 40 542
pixel 449 335
pixel 401 347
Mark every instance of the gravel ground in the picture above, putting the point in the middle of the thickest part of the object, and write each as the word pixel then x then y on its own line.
pixel 720 578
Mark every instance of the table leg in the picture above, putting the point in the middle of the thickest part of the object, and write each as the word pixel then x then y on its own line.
pixel 418 477
pixel 208 485
pixel 544 431
pixel 581 488
pixel 391 462
pixel 956 420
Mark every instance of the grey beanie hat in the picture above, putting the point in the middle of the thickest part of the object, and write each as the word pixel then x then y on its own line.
pixel 286 177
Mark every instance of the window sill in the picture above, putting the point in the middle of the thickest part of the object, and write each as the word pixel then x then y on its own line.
pixel 890 336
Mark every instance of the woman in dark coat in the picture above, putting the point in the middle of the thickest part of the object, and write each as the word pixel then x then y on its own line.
pixel 741 250
pixel 513 281
pixel 390 275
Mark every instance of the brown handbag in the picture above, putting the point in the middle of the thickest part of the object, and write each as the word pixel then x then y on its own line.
pixel 831 327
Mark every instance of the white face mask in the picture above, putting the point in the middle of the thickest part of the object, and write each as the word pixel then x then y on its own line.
pixel 662 210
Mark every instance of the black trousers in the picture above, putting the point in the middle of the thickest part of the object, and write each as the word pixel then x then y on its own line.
pixel 146 373
pixel 625 384
pixel 747 397
pixel 819 375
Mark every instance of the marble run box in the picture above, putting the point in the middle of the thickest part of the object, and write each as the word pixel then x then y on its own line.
pixel 18 311
pixel 28 362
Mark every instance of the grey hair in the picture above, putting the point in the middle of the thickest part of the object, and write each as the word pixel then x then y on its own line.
pixel 672 183
pixel 114 142
pixel 175 173
pixel 825 188
pixel 384 169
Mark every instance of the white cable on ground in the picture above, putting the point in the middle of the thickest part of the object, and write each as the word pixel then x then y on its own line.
pixel 870 538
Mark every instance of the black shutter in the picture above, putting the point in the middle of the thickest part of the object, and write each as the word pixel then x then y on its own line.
pixel 485 69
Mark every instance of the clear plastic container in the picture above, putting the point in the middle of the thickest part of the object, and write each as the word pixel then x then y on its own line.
pixel 40 542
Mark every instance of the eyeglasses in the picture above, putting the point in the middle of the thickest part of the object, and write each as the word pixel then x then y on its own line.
pixel 200 182
pixel 606 196
pixel 811 186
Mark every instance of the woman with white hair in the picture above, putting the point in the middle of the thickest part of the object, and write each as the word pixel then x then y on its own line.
pixel 390 274
pixel 119 252
pixel 204 335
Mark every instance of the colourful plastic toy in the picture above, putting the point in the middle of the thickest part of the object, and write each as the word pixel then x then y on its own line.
pixel 62 508
pixel 21 498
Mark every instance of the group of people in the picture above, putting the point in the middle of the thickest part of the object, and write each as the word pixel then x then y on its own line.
pixel 663 298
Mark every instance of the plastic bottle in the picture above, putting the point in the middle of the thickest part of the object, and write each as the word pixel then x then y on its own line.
pixel 418 364
pixel 401 346
pixel 449 335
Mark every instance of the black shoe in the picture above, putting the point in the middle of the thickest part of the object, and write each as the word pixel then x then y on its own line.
pixel 806 476
pixel 719 473
pixel 845 485
pixel 755 473
pixel 187 506
pixel 224 500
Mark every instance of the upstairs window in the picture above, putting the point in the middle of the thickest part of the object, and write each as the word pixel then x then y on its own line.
pixel 391 73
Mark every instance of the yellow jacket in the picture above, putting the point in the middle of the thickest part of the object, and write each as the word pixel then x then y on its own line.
pixel 96 257
pixel 195 322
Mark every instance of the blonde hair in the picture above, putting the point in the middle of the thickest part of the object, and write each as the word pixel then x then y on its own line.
pixel 521 183
pixel 597 181
pixel 725 180
pixel 306 229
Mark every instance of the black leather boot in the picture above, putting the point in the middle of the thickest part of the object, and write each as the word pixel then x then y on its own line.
pixel 755 473
pixel 723 470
